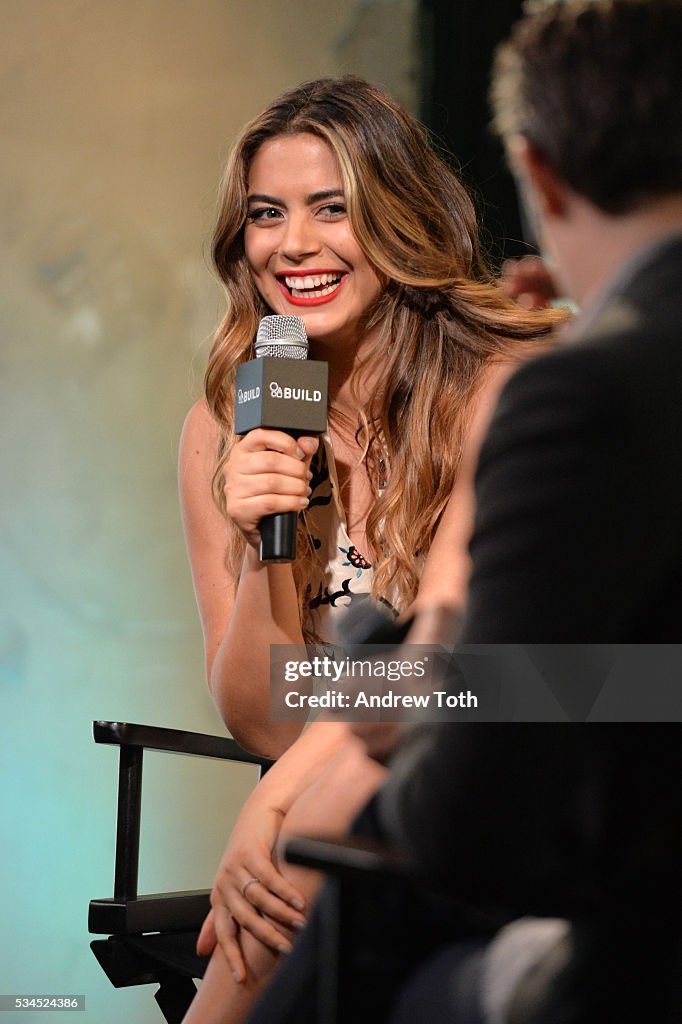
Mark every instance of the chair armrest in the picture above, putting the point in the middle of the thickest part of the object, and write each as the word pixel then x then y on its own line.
pixel 155 912
pixel 151 737
pixel 358 870
pixel 349 858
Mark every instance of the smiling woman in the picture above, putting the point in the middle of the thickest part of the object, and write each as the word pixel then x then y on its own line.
pixel 335 207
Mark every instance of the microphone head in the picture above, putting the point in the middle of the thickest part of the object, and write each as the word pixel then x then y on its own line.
pixel 283 337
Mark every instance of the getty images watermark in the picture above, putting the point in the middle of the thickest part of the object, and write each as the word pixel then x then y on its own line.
pixel 366 683
pixel 478 682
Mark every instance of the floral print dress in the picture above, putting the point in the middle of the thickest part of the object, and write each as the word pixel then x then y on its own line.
pixel 347 573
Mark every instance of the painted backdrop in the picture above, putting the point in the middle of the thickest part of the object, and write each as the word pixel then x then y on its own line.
pixel 116 118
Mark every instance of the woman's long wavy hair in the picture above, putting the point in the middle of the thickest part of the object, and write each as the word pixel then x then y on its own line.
pixel 439 320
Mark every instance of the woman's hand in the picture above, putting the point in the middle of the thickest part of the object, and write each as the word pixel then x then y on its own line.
pixel 267 472
pixel 250 894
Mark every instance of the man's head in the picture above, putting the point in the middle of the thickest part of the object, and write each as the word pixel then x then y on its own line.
pixel 587 95
pixel 595 87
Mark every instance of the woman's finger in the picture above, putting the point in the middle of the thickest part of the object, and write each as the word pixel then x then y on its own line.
pixel 207 936
pixel 267 903
pixel 248 918
pixel 233 891
pixel 227 933
pixel 262 439
pixel 249 463
pixel 256 484
pixel 252 510
pixel 271 879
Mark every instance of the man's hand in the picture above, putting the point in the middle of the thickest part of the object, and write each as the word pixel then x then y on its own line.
pixel 528 282
pixel 435 626
pixel 380 738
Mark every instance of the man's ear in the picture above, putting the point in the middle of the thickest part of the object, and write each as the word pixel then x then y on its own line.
pixel 548 190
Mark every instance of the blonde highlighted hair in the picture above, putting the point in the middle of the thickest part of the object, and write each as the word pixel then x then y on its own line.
pixel 439 320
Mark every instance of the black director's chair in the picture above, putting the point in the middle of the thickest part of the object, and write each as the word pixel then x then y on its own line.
pixel 152 938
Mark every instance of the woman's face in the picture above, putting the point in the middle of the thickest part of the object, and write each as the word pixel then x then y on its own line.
pixel 298 241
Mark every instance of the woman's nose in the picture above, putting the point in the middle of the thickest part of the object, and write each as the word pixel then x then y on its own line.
pixel 300 238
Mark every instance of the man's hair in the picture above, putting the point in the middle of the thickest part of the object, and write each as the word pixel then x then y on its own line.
pixel 596 87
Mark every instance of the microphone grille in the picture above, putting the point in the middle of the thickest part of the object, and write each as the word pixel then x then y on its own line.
pixel 283 337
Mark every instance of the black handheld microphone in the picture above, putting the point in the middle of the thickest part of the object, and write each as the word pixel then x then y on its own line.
pixel 283 390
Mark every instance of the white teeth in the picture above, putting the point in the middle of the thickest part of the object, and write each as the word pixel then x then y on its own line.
pixel 317 293
pixel 300 285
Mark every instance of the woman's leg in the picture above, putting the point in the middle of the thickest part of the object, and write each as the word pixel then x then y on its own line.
pixel 327 806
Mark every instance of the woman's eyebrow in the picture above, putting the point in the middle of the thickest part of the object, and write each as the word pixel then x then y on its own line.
pixel 314 197
pixel 330 193
pixel 258 197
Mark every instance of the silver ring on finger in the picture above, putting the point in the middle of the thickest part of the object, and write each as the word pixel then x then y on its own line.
pixel 247 883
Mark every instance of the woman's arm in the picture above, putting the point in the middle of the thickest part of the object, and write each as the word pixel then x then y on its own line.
pixel 240 619
pixel 445 578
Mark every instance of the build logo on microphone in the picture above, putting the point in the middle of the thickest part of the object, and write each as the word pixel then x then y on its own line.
pixel 294 394
pixel 282 394
pixel 248 395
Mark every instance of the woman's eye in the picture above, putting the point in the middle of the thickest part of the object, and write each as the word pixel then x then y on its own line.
pixel 262 213
pixel 333 210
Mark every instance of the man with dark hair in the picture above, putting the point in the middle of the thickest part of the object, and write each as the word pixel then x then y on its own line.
pixel 578 539
pixel 578 536
pixel 595 89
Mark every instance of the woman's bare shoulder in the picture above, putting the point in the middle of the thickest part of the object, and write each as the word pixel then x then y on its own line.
pixel 200 429
pixel 484 400
pixel 493 378
pixel 196 465
pixel 198 443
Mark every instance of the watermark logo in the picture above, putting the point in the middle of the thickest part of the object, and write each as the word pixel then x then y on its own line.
pixel 408 681
pixel 325 667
